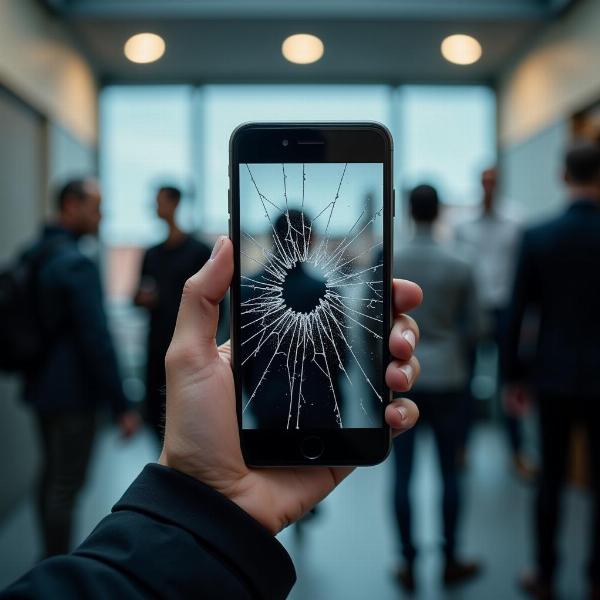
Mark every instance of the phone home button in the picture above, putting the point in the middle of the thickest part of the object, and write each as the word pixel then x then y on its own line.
pixel 312 447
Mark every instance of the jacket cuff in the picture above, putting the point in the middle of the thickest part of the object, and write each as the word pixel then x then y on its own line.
pixel 181 500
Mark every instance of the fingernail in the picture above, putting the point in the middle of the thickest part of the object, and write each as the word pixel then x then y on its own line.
pixel 217 247
pixel 408 371
pixel 403 413
pixel 410 337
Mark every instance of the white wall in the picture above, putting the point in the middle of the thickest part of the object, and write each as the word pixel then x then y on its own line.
pixel 47 132
pixel 68 157
pixel 39 62
pixel 558 75
pixel 531 172
pixel 22 175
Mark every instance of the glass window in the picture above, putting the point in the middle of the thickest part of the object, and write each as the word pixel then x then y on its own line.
pixel 446 136
pixel 226 106
pixel 145 142
pixel 180 134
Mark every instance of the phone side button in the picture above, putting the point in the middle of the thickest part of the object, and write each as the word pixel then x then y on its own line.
pixel 312 447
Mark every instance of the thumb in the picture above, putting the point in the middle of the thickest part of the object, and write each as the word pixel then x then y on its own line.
pixel 198 315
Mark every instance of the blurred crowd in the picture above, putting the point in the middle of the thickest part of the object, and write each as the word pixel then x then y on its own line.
pixel 490 283
pixel 483 287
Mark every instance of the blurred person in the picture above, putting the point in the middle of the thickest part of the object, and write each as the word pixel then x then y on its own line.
pixel 301 292
pixel 78 369
pixel 201 524
pixel 558 274
pixel 165 268
pixel 450 323
pixel 491 242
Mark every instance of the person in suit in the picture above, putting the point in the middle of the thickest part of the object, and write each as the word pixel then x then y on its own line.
pixel 201 524
pixel 558 274
pixel 450 324
pixel 78 370
pixel 165 269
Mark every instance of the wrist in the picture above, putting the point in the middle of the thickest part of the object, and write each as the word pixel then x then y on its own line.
pixel 259 508
pixel 243 493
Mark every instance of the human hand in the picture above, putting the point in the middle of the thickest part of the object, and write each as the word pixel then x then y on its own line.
pixel 128 422
pixel 147 294
pixel 517 399
pixel 146 299
pixel 201 435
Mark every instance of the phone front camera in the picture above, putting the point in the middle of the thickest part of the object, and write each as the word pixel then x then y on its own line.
pixel 285 142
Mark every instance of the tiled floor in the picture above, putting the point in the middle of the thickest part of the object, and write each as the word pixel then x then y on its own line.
pixel 348 550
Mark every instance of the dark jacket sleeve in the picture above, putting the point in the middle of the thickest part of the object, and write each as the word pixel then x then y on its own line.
pixel 169 536
pixel 143 271
pixel 94 341
pixel 524 294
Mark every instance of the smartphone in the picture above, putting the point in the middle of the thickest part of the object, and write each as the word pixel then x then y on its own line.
pixel 311 217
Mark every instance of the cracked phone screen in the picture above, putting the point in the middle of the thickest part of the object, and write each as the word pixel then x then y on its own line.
pixel 311 289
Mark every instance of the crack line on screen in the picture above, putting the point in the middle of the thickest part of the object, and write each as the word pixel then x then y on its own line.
pixel 322 336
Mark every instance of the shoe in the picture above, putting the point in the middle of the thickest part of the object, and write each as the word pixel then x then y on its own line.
pixel 459 572
pixel 536 587
pixel 524 468
pixel 405 576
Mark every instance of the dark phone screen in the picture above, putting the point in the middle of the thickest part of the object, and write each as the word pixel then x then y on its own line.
pixel 311 295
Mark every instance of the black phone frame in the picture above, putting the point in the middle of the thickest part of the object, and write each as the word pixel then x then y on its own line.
pixel 313 142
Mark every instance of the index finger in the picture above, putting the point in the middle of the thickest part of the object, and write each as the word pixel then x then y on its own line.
pixel 406 295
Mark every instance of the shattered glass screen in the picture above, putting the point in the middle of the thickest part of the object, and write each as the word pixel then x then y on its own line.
pixel 311 239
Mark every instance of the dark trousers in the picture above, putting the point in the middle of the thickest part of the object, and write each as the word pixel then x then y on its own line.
pixel 442 411
pixel 513 425
pixel 66 447
pixel 558 415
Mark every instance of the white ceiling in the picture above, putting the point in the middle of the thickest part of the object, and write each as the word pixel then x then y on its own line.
pixel 365 40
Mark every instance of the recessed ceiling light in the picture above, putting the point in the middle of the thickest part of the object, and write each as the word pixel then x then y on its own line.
pixel 461 49
pixel 144 48
pixel 302 48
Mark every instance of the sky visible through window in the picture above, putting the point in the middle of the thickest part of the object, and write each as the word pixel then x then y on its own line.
pixel 145 142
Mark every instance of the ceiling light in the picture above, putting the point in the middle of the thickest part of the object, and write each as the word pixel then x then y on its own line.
pixel 461 49
pixel 144 48
pixel 302 48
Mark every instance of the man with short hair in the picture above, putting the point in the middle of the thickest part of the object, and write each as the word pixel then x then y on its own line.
pixel 558 274
pixel 449 321
pixel 78 370
pixel 165 269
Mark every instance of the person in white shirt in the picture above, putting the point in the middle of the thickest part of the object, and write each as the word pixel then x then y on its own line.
pixel 490 242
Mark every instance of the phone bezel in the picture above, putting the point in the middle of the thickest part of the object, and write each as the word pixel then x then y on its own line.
pixel 310 143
